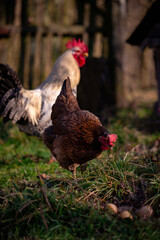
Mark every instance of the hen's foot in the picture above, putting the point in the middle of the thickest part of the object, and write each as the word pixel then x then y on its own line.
pixel 53 159
pixel 72 169
pixel 83 167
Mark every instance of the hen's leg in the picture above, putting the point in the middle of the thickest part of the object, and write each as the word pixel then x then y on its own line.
pixel 72 169
pixel 83 167
pixel 53 159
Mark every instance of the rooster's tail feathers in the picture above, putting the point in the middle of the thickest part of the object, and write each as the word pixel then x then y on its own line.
pixel 10 86
pixel 8 79
pixel 16 103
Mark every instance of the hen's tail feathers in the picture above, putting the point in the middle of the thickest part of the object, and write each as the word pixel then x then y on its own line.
pixel 66 102
pixel 10 86
pixel 66 88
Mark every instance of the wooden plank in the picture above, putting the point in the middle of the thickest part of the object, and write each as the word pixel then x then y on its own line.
pixel 148 73
pixel 157 67
pixel 92 26
pixel 99 23
pixel 55 29
pixel 47 55
pixel 15 40
pixel 38 43
pixel 26 75
pixel 47 59
pixel 60 16
pixel 86 19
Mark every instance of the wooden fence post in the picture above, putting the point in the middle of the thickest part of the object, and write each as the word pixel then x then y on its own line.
pixel 15 40
pixel 38 43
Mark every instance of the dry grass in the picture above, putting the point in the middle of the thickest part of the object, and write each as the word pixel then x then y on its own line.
pixel 42 201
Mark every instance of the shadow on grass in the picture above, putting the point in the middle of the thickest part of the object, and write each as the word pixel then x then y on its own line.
pixel 149 124
pixel 4 130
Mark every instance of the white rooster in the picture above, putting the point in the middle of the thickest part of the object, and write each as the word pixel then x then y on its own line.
pixel 31 109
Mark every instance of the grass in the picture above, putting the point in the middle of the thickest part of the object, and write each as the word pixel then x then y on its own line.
pixel 43 201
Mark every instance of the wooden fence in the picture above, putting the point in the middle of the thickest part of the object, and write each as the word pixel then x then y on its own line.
pixel 33 34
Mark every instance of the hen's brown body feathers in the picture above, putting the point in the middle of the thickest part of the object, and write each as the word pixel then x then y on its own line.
pixel 74 136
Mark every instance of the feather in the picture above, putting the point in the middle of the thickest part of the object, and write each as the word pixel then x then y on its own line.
pixel 65 102
pixel 18 115
pixel 31 100
pixel 8 107
pixel 12 113
pixel 8 75
pixel 31 109
pixel 8 94
pixel 22 103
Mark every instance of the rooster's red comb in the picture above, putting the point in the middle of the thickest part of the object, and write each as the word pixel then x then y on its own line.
pixel 75 43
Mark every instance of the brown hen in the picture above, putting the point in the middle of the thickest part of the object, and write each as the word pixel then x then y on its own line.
pixel 76 135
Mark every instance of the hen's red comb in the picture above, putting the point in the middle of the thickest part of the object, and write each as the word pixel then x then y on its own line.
pixel 75 43
pixel 112 139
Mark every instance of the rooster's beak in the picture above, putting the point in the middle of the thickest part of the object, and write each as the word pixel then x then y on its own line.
pixel 85 54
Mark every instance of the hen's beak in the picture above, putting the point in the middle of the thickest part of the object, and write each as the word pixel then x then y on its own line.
pixel 85 54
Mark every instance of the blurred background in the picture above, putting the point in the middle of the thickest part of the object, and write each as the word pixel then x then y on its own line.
pixel 118 73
